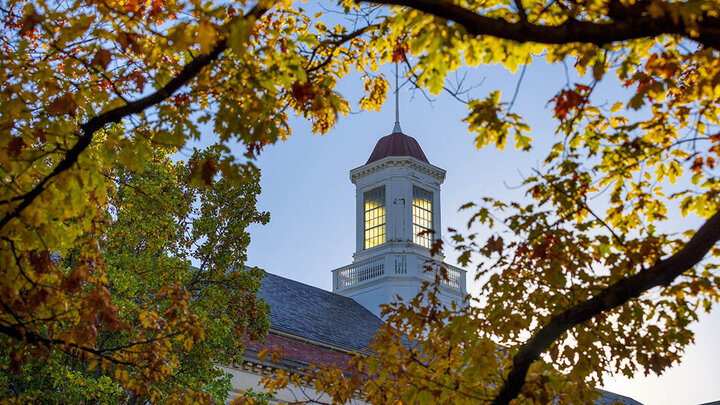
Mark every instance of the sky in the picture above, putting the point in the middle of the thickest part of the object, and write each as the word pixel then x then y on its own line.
pixel 307 190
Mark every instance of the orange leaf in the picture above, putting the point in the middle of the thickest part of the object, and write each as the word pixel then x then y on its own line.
pixel 399 53
pixel 262 355
pixel 697 165
pixel 156 7
pixel 565 101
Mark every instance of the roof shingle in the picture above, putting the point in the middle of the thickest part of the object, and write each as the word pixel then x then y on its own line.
pixel 313 313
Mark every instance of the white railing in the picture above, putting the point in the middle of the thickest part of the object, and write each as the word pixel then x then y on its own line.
pixel 454 276
pixel 398 265
pixel 359 272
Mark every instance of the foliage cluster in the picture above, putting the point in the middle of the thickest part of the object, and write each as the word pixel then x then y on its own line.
pixel 96 222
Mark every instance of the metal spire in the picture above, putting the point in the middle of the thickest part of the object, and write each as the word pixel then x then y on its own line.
pixel 397 102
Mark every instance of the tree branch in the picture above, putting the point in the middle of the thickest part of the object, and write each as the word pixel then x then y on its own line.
pixel 661 274
pixel 87 130
pixel 626 26
pixel 36 339
pixel 340 39
pixel 521 10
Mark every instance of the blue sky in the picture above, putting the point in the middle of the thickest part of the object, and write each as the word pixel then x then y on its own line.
pixel 307 190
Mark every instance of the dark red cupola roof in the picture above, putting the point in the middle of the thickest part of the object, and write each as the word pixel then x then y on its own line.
pixel 397 144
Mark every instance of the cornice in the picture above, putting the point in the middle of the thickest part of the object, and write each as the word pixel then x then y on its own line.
pixel 390 161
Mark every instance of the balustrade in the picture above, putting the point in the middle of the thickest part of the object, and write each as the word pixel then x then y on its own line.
pixel 359 272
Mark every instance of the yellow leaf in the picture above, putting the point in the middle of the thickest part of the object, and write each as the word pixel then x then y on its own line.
pixel 263 355
pixel 206 35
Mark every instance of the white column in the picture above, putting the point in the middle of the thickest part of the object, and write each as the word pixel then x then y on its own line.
pixel 359 220
pixel 392 219
pixel 437 226
pixel 407 212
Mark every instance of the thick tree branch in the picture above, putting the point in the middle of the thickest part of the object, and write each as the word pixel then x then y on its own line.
pixel 625 26
pixel 661 274
pixel 87 130
pixel 36 339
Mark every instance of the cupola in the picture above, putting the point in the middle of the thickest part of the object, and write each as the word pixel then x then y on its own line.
pixel 397 144
pixel 397 220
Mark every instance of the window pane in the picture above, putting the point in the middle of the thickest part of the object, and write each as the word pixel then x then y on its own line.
pixel 374 217
pixel 422 217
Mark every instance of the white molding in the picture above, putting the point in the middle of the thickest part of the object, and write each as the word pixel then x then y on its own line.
pixel 409 161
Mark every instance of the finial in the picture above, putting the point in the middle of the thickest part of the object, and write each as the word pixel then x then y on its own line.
pixel 397 129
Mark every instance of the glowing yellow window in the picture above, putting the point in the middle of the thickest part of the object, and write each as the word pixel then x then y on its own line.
pixel 422 217
pixel 375 217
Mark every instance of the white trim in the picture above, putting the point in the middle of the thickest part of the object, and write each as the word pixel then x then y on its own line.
pixel 385 162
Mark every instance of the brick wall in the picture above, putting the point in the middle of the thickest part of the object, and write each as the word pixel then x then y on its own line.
pixel 300 351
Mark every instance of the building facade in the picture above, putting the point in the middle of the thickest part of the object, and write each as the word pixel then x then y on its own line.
pixel 397 222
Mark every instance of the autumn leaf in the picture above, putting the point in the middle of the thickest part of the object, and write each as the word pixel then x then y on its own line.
pixel 494 244
pixel 302 92
pixel 376 93
pixel 262 355
pixel 115 215
pixel 206 36
pixel 29 22
pixel 62 105
pixel 566 101
pixel 128 40
pixel 209 169
pixel 102 58
pixel 697 165
pixel 139 80
pixel 399 52
pixel 16 145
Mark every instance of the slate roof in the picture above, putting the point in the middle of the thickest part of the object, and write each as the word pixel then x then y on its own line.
pixel 313 313
pixel 397 144
pixel 610 398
